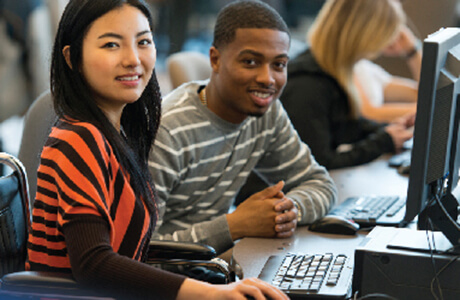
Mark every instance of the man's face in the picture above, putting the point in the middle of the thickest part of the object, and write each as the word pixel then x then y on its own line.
pixel 249 73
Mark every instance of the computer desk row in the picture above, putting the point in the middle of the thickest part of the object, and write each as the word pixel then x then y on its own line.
pixel 372 178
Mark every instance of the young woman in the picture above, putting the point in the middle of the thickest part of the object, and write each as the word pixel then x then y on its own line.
pixel 386 97
pixel 95 206
pixel 321 95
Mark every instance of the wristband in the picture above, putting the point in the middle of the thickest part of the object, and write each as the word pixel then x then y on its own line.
pixel 411 53
pixel 299 210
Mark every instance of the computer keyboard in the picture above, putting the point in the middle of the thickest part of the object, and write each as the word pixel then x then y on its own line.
pixel 372 210
pixel 310 276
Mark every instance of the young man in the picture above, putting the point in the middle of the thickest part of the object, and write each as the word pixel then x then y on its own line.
pixel 214 133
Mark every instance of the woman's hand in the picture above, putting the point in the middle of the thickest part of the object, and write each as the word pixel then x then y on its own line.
pixel 404 43
pixel 248 288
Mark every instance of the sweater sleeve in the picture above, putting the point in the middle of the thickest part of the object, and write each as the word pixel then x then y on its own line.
pixel 97 266
pixel 317 109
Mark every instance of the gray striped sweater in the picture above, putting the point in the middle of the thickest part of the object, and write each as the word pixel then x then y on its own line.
pixel 199 162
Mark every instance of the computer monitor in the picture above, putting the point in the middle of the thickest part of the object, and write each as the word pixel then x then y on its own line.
pixel 435 155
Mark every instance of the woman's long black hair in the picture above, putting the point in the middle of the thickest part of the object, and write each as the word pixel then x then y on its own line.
pixel 73 97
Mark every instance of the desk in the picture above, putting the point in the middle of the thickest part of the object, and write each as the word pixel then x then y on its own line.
pixel 373 178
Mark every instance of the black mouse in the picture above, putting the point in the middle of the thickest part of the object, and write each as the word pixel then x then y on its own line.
pixel 334 224
pixel 404 169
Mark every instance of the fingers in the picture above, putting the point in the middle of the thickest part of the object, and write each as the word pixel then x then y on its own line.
pixel 407 120
pixel 403 42
pixel 286 222
pixel 285 234
pixel 286 217
pixel 259 289
pixel 251 292
pixel 284 204
pixel 286 229
pixel 399 135
pixel 274 191
pixel 259 215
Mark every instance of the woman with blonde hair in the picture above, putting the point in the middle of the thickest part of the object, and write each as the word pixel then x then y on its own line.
pixel 322 96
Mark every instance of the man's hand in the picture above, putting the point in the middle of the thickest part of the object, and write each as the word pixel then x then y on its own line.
pixel 286 220
pixel 265 214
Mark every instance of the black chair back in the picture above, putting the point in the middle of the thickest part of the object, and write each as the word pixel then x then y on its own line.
pixel 14 216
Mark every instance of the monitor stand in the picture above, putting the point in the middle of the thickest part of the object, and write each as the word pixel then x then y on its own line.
pixel 442 216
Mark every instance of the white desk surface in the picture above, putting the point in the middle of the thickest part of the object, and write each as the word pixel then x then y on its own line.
pixel 373 178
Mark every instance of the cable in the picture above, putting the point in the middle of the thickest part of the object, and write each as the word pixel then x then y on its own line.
pixel 378 295
pixel 437 197
pixel 443 268
pixel 447 213
pixel 433 262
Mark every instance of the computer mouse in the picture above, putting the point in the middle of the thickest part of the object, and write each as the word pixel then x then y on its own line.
pixel 404 169
pixel 334 224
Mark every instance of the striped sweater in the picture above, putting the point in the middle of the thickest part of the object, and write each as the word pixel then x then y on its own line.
pixel 199 162
pixel 85 198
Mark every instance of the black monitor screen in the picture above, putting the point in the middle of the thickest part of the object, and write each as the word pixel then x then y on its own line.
pixel 434 160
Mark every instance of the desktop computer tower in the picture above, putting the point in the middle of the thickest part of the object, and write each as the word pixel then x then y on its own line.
pixel 397 262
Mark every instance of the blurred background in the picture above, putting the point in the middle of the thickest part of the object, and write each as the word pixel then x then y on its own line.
pixel 27 29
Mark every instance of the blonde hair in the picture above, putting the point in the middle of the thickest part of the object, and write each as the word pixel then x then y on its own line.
pixel 346 31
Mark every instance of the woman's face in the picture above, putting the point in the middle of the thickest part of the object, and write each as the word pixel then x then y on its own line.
pixel 118 57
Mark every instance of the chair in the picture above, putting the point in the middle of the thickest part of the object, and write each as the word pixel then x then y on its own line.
pixel 186 66
pixel 14 216
pixel 15 222
pixel 38 121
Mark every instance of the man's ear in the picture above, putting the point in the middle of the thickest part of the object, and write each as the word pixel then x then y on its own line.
pixel 66 53
pixel 214 57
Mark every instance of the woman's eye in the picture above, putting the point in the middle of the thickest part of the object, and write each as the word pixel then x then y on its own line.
pixel 110 45
pixel 145 42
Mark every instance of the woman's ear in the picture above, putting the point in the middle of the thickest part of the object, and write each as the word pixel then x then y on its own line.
pixel 66 53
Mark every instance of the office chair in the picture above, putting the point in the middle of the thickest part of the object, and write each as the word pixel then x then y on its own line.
pixel 15 222
pixel 14 216
pixel 38 121
pixel 186 66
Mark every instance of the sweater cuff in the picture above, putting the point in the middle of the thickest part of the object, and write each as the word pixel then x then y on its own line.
pixel 387 142
pixel 219 235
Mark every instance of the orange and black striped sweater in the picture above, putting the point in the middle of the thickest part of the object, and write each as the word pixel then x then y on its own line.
pixel 87 220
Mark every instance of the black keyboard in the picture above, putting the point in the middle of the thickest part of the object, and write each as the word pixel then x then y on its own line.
pixel 372 210
pixel 310 276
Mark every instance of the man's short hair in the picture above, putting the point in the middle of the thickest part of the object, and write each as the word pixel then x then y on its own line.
pixel 245 14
